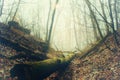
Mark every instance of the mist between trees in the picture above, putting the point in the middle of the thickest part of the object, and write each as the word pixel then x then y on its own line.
pixel 67 25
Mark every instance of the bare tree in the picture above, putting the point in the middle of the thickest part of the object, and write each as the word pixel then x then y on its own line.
pixel 116 13
pixel 111 16
pixel 1 6
pixel 51 24
pixel 104 15
pixel 16 10
pixel 112 21
pixel 10 12
pixel 93 16
pixel 48 20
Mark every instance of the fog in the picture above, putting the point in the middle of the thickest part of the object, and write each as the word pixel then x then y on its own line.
pixel 34 14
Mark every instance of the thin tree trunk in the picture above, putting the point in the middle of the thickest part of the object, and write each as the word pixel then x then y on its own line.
pixel 112 22
pixel 10 11
pixel 1 6
pixel 94 17
pixel 111 15
pixel 38 21
pixel 48 19
pixel 93 23
pixel 116 15
pixel 16 10
pixel 51 25
pixel 105 19
pixel 104 15
pixel 94 27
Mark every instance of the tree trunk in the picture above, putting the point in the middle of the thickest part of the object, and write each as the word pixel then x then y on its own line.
pixel 51 25
pixel 16 10
pixel 48 19
pixel 41 69
pixel 94 17
pixel 112 22
pixel 104 15
pixel 116 14
pixel 1 6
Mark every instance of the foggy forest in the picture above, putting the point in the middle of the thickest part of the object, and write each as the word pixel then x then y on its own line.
pixel 59 39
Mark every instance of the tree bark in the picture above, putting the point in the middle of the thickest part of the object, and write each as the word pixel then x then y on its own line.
pixel 94 17
pixel 48 19
pixel 116 14
pixel 51 25
pixel 112 22
pixel 16 10
pixel 41 69
pixel 104 15
pixel 1 6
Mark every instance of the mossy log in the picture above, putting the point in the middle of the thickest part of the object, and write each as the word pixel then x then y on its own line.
pixel 40 69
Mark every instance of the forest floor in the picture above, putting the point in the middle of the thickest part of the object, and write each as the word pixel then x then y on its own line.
pixel 101 64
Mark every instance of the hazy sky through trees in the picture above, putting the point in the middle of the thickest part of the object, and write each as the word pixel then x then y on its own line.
pixel 34 13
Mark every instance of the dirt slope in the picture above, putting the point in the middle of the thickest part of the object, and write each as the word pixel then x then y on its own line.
pixel 18 47
pixel 103 64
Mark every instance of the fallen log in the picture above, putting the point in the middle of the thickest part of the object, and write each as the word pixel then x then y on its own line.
pixel 40 69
